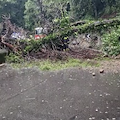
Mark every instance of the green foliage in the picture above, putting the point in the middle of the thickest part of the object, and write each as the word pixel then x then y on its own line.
pixel 27 13
pixel 111 42
pixel 13 58
pixel 56 37
pixel 94 8
pixel 31 15
pixel 61 24
pixel 32 45
pixel 97 26
pixel 90 26
pixel 58 65
pixel 39 13
pixel 64 22
pixel 15 8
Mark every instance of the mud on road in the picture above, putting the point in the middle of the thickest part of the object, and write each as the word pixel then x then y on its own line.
pixel 72 94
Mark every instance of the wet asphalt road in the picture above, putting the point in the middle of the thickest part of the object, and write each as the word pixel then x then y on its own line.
pixel 75 94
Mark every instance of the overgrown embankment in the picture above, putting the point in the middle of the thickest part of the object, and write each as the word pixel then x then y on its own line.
pixel 54 41
pixel 52 46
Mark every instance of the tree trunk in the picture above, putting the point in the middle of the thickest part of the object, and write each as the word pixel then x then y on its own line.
pixel 42 14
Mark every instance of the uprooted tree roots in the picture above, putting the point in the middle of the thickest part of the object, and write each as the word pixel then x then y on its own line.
pixel 5 34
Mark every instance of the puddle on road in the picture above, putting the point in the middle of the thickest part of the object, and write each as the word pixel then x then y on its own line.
pixel 75 94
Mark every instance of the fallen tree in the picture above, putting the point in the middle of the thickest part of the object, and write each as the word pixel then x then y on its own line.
pixel 52 46
pixel 54 41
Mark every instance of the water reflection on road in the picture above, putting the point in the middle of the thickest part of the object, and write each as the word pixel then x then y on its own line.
pixel 73 94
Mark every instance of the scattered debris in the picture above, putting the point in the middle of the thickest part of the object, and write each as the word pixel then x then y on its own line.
pixel 93 74
pixel 101 70
pixel 10 40
pixel 10 34
pixel 2 65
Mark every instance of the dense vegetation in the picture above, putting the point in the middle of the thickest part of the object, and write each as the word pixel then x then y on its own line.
pixel 31 13
pixel 61 16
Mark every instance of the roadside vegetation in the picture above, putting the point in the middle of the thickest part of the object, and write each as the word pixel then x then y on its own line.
pixel 48 65
pixel 28 57
pixel 111 42
pixel 76 32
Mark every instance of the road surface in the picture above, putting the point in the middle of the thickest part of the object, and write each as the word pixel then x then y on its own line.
pixel 73 94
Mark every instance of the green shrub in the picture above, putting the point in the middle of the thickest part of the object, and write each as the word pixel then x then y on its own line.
pixel 32 45
pixel 111 42
pixel 90 26
pixel 13 58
